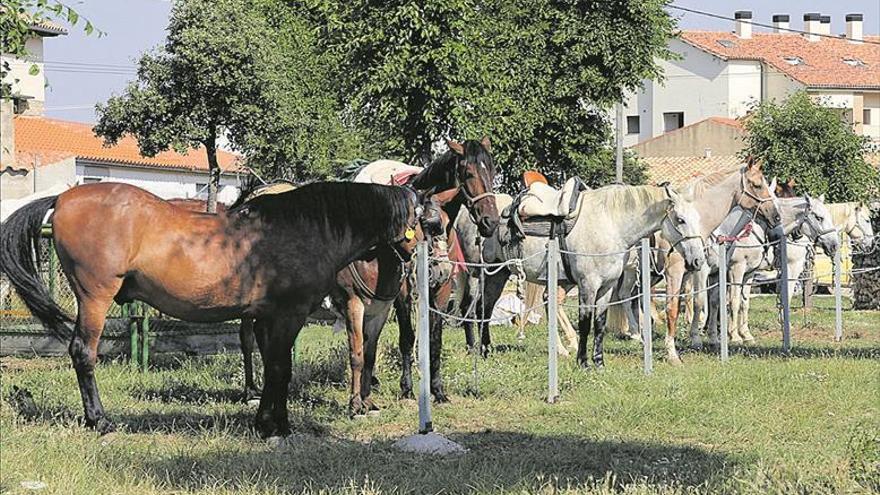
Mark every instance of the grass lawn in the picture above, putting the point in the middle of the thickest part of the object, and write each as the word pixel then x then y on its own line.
pixel 762 423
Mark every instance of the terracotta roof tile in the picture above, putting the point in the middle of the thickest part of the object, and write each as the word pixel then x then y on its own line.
pixel 823 61
pixel 52 140
pixel 680 169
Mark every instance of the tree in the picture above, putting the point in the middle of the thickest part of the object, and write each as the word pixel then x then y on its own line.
pixel 17 17
pixel 813 144
pixel 244 69
pixel 535 75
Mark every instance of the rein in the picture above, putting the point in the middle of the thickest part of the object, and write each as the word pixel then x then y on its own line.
pixel 675 228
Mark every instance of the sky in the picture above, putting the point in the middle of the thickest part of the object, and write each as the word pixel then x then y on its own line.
pixel 83 70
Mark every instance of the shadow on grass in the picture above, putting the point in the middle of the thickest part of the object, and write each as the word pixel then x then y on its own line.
pixel 763 350
pixel 496 461
pixel 188 394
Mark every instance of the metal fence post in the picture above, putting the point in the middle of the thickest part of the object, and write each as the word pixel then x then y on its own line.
pixel 838 307
pixel 128 313
pixel 647 333
pixel 425 423
pixel 722 300
pixel 552 320
pixel 783 294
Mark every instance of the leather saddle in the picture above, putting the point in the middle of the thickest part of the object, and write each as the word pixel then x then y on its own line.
pixel 543 211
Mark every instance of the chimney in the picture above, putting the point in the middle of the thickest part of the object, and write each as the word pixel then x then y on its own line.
pixel 707 153
pixel 811 25
pixel 854 27
pixel 780 23
pixel 825 24
pixel 743 23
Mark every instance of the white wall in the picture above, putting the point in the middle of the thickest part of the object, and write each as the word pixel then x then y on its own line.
pixel 872 103
pixel 743 86
pixel 778 86
pixel 28 85
pixel 697 84
pixel 165 184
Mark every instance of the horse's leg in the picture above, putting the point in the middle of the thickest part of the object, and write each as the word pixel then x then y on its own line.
pixel 599 335
pixel 736 276
pixel 701 302
pixel 83 350
pixel 563 321
pixel 406 341
pixel 464 307
pixel 354 323
pixel 248 343
pixel 744 309
pixel 674 274
pixel 373 324
pixel 585 321
pixel 491 294
pixel 271 418
pixel 440 299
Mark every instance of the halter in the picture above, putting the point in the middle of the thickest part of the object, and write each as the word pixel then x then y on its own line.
pixel 750 194
pixel 810 220
pixel 469 200
pixel 683 238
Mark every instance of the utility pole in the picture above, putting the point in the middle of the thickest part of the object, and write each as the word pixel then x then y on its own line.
pixel 618 134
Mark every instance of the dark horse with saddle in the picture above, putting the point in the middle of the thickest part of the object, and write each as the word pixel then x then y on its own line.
pixel 272 258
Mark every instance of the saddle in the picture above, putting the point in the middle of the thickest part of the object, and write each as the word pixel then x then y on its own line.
pixel 543 211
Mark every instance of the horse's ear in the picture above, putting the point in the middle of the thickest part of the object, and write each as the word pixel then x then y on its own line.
pixel 822 197
pixel 455 146
pixel 773 186
pixel 791 183
pixel 753 162
pixel 670 192
pixel 486 144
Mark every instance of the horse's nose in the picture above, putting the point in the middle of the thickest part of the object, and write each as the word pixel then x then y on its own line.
pixel 488 226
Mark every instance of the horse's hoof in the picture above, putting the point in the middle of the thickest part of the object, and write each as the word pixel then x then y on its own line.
pixel 584 364
pixel 440 398
pixel 748 341
pixel 406 394
pixel 374 382
pixel 635 337
pixel 104 426
pixel 674 360
pixel 736 340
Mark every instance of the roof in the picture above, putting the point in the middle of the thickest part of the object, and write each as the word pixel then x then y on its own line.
pixel 47 28
pixel 822 64
pixel 53 140
pixel 714 120
pixel 681 169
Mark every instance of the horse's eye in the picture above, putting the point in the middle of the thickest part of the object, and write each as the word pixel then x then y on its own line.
pixel 680 221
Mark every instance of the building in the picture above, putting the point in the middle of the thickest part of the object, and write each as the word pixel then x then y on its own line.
pixel 697 149
pixel 41 154
pixel 723 74
pixel 49 152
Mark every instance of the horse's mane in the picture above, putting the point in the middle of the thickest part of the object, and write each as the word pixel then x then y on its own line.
pixel 339 208
pixel 617 199
pixel 700 184
pixel 441 170
pixel 253 187
pixel 840 212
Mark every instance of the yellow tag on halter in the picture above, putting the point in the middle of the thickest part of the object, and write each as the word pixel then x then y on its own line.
pixel 410 234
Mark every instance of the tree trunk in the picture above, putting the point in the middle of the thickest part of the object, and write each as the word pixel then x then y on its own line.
pixel 213 174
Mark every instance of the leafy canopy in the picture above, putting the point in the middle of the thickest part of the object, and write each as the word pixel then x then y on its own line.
pixel 813 144
pixel 535 75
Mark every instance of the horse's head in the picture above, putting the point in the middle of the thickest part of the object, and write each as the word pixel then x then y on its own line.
pixel 756 195
pixel 858 227
pixel 681 227
pixel 817 225
pixel 426 220
pixel 475 176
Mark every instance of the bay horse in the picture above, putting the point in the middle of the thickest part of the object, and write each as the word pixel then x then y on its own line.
pixel 273 258
pixel 467 171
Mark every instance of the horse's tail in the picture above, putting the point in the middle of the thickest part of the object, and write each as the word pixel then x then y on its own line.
pixel 616 320
pixel 19 260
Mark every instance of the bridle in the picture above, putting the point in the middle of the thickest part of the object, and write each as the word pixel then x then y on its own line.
pixel 810 220
pixel 746 192
pixel 471 201
pixel 674 226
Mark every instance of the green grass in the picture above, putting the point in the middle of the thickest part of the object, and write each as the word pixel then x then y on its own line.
pixel 762 423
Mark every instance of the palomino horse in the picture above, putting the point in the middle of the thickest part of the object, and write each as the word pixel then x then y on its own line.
pixel 273 258
pixel 469 169
pixel 612 219
pixel 715 196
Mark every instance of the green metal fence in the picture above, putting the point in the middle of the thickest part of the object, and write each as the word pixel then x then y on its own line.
pixel 135 330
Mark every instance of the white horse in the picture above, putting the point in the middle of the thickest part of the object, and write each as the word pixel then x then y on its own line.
pixel 806 222
pixel 854 220
pixel 612 220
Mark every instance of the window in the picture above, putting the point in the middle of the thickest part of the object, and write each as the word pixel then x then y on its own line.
pixel 632 124
pixel 726 43
pixel 866 116
pixel 854 62
pixel 794 60
pixel 91 180
pixel 673 121
pixel 202 190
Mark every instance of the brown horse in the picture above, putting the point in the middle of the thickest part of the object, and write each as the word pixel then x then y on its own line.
pixel 273 258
